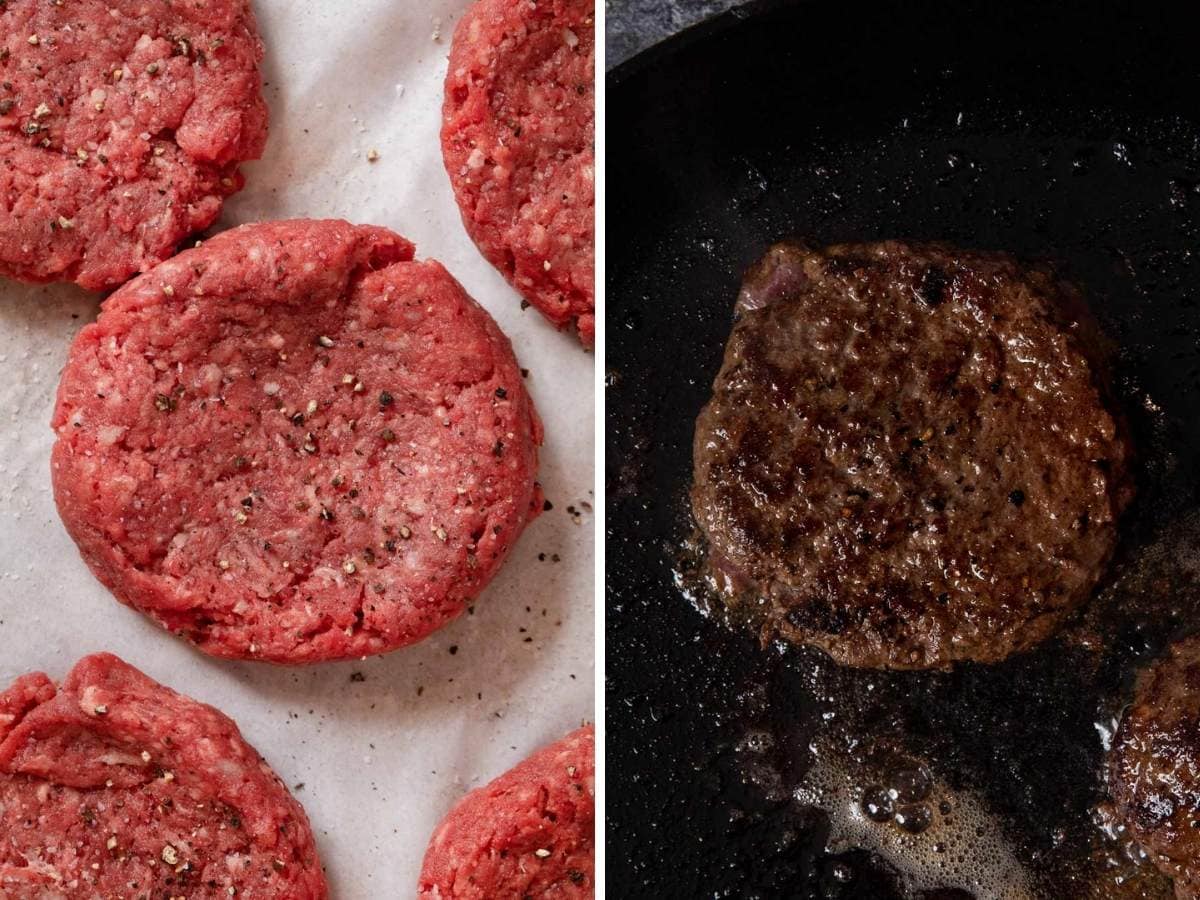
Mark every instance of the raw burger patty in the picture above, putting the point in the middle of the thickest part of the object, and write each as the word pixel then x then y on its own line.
pixel 295 443
pixel 122 123
pixel 909 454
pixel 1154 766
pixel 518 139
pixel 114 786
pixel 527 834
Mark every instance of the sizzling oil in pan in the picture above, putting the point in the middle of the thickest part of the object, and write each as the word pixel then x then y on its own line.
pixel 741 771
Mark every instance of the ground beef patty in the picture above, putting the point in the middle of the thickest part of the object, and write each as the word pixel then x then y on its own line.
pixel 114 786
pixel 909 454
pixel 530 833
pixel 518 139
pixel 1154 766
pixel 122 123
pixel 295 443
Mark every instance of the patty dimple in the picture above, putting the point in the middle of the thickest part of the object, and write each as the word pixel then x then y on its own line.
pixel 114 786
pixel 1154 765
pixel 518 138
pixel 295 443
pixel 122 124
pixel 527 834
pixel 910 457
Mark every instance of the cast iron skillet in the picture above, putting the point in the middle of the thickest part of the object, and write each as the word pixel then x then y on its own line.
pixel 1067 131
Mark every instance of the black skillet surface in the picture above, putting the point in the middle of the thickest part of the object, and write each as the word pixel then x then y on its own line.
pixel 1068 131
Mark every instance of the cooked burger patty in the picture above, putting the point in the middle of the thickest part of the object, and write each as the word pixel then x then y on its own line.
pixel 295 443
pixel 111 785
pixel 910 457
pixel 1154 767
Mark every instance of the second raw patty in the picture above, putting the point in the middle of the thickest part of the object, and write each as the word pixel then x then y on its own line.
pixel 910 456
pixel 295 443
pixel 518 138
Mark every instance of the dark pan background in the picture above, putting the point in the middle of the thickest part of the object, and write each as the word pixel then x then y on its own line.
pixel 1069 131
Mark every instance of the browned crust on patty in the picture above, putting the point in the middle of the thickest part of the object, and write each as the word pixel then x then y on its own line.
pixel 1154 766
pixel 910 454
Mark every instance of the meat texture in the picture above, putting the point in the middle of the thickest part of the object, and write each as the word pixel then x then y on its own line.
pixel 122 125
pixel 114 786
pixel 295 443
pixel 910 457
pixel 528 834
pixel 1154 766
pixel 518 138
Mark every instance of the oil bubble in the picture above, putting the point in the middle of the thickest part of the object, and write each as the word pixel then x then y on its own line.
pixel 877 804
pixel 914 818
pixel 911 785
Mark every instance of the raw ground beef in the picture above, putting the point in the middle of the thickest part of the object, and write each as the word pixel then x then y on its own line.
pixel 122 124
pixel 295 443
pixel 528 834
pixel 114 786
pixel 518 137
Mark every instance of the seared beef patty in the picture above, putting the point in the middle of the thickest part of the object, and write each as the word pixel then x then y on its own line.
pixel 1154 767
pixel 910 457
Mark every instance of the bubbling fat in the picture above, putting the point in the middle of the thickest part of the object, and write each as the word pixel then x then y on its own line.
pixel 934 837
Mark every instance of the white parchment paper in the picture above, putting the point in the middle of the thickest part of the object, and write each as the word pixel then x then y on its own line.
pixel 380 759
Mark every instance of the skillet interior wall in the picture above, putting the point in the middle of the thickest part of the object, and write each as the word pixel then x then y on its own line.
pixel 1069 132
